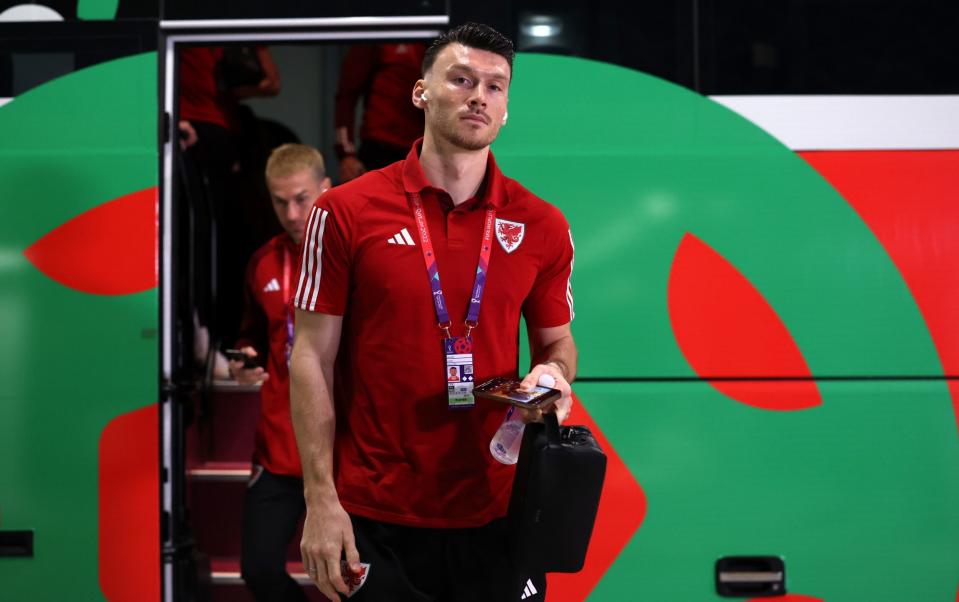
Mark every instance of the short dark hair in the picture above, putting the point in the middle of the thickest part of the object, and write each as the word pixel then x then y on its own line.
pixel 473 35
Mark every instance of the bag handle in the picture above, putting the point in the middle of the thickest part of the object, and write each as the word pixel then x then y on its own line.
pixel 553 437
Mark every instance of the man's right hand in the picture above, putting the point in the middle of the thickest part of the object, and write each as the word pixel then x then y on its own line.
pixel 327 534
pixel 248 376
pixel 351 167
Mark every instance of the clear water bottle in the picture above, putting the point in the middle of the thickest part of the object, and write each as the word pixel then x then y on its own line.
pixel 509 437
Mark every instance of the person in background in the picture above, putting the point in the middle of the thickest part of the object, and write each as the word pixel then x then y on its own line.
pixel 381 75
pixel 273 504
pixel 208 126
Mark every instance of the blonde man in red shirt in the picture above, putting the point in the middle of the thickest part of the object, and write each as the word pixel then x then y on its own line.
pixel 273 504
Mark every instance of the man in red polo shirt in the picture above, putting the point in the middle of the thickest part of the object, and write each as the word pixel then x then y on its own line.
pixel 273 503
pixel 396 266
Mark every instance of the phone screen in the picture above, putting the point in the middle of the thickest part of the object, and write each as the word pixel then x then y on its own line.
pixel 507 390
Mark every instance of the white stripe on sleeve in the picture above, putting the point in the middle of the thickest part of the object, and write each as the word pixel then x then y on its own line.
pixel 304 274
pixel 319 258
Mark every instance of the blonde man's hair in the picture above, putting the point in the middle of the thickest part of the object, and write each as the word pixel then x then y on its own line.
pixel 289 159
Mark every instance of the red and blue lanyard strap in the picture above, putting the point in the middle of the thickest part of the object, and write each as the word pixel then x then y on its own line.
pixel 459 350
pixel 429 258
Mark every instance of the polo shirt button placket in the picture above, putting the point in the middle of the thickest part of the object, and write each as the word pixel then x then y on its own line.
pixel 454 228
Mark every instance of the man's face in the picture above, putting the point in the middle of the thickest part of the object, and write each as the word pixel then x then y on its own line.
pixel 468 92
pixel 293 197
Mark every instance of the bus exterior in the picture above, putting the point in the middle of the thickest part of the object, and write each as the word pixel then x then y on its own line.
pixel 764 290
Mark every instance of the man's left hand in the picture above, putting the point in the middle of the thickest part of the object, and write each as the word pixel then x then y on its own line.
pixel 561 406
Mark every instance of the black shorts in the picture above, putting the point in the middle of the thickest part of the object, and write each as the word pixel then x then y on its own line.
pixel 414 564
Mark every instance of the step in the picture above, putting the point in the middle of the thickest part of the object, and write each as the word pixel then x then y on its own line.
pixel 239 593
pixel 231 386
pixel 224 428
pixel 216 516
pixel 227 586
pixel 220 472
pixel 226 571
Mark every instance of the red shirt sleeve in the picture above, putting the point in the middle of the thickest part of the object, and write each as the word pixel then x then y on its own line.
pixel 325 260
pixel 550 302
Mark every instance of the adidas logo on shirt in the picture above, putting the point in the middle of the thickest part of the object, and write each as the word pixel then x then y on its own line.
pixel 271 286
pixel 530 590
pixel 403 238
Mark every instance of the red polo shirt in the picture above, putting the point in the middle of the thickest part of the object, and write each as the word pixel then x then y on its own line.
pixel 401 456
pixel 270 278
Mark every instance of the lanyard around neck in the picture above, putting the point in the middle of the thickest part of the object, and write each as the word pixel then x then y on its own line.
pixel 429 259
pixel 287 269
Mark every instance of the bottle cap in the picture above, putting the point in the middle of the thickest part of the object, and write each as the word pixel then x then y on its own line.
pixel 547 380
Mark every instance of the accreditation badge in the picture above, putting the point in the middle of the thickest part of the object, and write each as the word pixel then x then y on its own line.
pixel 459 372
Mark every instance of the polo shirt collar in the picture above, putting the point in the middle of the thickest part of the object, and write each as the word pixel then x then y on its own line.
pixel 493 188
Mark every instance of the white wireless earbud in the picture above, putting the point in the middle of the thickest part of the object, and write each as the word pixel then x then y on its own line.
pixel 424 97
pixel 505 116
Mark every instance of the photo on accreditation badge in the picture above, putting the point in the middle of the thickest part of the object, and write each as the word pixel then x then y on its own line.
pixel 507 390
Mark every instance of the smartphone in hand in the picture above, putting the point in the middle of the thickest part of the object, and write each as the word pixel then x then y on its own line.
pixel 507 390
pixel 238 356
